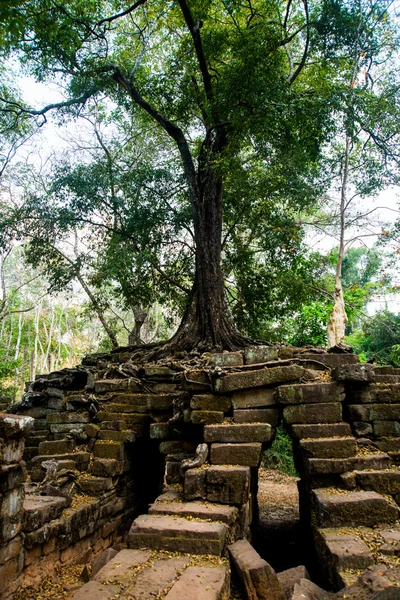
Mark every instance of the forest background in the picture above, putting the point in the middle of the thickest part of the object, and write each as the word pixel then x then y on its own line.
pixel 293 106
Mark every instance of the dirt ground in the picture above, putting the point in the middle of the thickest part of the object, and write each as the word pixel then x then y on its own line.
pixel 278 497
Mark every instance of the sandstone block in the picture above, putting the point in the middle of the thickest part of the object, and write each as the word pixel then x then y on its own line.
pixel 116 385
pixel 108 467
pixel 56 447
pixel 94 485
pixel 68 417
pixel 259 378
pixel 361 373
pixel 236 454
pixel 39 510
pixel 206 417
pixel 313 413
pixel 260 354
pixel 117 425
pixel 238 433
pixel 329 447
pixel 387 428
pixel 117 436
pixel 352 509
pixel 11 476
pixel 93 590
pixel 343 552
pixel 309 393
pixel 257 398
pixel 195 484
pixel 10 550
pixel 321 431
pixel 383 482
pixel 228 484
pixel 210 402
pixel 290 577
pixel 15 426
pixel 257 576
pixel 107 449
pixel 374 412
pixel 258 415
pixel 225 359
pixel 162 401
pixel 201 583
pixel 11 450
pixel 194 510
pixel 330 466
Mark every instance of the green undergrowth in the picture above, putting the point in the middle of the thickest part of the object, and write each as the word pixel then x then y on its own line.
pixel 280 455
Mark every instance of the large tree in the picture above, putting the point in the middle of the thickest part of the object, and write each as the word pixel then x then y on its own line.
pixel 223 80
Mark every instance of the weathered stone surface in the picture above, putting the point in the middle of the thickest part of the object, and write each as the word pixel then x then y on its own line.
pixel 195 510
pixel 108 449
pixel 10 514
pixel 373 412
pixel 56 447
pixel 330 360
pixel 258 578
pixel 383 482
pixel 177 534
pixel 378 582
pixel 228 484
pixel 236 454
pixel 343 551
pixel 210 402
pixel 11 450
pixel 330 466
pixel 391 545
pixel 257 398
pixel 388 444
pixel 67 428
pixel 258 415
pixel 321 431
pixel 15 426
pixel 68 417
pixel 117 436
pixel 201 583
pixel 38 510
pixel 162 401
pixel 102 559
pixel 94 485
pixel 387 428
pixel 206 417
pixel 120 567
pixel 260 378
pixel 361 373
pixel 102 467
pixel 81 459
pixel 362 429
pixel 153 581
pixel 116 385
pixel 313 413
pixel 254 355
pixel 307 590
pixel 225 359
pixel 290 577
pixel 197 381
pixel 10 550
pixel 171 447
pixel 11 476
pixel 195 484
pixel 116 425
pixel 309 393
pixel 238 433
pixel 343 447
pixel 352 509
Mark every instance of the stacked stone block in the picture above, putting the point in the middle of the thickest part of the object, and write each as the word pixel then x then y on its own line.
pixel 13 430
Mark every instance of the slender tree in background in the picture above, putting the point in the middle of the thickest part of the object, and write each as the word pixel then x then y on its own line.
pixel 223 81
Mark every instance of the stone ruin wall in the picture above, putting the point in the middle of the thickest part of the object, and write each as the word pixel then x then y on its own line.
pixel 114 428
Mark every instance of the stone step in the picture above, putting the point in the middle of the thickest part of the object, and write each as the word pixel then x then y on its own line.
pixel 248 455
pixel 177 534
pixel 322 430
pixel 387 378
pixel 143 574
pixel 383 482
pixel 238 433
pixel 196 510
pixel 57 447
pixel 335 447
pixel 336 466
pixel 39 510
pixel 109 449
pixel 338 508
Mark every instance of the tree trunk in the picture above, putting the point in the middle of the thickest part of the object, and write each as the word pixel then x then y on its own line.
pixel 140 317
pixel 207 323
pixel 338 318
